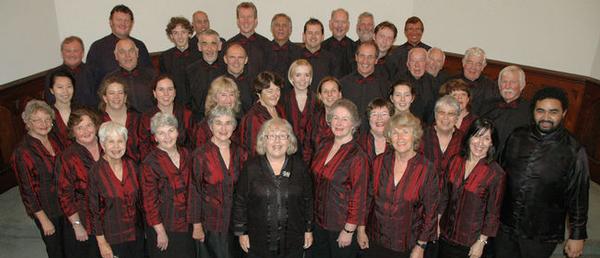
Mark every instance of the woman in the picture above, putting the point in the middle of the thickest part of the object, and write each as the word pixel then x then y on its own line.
pixel 300 103
pixel 273 199
pixel 474 188
pixel 164 93
pixel 402 95
pixel 165 179
pixel 373 141
pixel 340 169
pixel 62 89
pixel 113 92
pixel 33 163
pixel 459 89
pixel 267 86
pixel 223 92
pixel 115 199
pixel 216 169
pixel 73 167
pixel 403 195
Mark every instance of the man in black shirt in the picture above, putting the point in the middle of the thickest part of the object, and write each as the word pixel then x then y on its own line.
pixel 484 92
pixel 282 51
pixel 365 27
pixel 323 62
pixel 200 22
pixel 422 82
pixel 339 44
pixel 254 43
pixel 435 67
pixel 236 60
pixel 413 30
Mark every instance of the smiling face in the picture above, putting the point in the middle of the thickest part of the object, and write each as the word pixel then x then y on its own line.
pixel 301 77
pixel 548 115
pixel 417 60
pixel 384 39
pixel 366 57
pixel 164 92
pixel 166 137
pixel 462 97
pixel 510 86
pixel 277 142
pixel 62 89
pixel 121 24
pixel 222 128
pixel 72 53
pixel 225 98
pixel 180 36
pixel 281 29
pixel 445 118
pixel 364 28
pixel 339 24
pixel 39 124
pixel 378 117
pixel 210 45
pixel 330 93
pixel 126 54
pixel 312 37
pixel 473 66
pixel 115 96
pixel 402 139
pixel 269 97
pixel 85 131
pixel 413 33
pixel 402 98
pixel 479 144
pixel 246 21
pixel 200 22
pixel 236 60
pixel 342 123
pixel 114 146
pixel 435 62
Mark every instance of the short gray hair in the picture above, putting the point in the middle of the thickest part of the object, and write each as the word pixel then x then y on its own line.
pixel 161 119
pixel 474 51
pixel 436 49
pixel 271 125
pixel 514 69
pixel 365 14
pixel 448 101
pixel 111 128
pixel 221 111
pixel 35 105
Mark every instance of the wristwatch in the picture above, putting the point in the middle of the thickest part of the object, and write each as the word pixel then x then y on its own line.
pixel 482 241
pixel 348 231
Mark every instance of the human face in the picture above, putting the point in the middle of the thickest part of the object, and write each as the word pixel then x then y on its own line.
pixel 402 98
pixel 72 54
pixel 115 96
pixel 40 123
pixel 479 144
pixel 164 93
pixel 378 118
pixel 246 21
pixel 313 37
pixel 462 97
pixel 510 86
pixel 364 28
pixel 222 128
pixel 126 54
pixel 85 131
pixel 413 33
pixel 209 45
pixel 384 39
pixel 366 57
pixel 548 115
pixel 114 146
pixel 342 123
pixel 281 29
pixel 62 89
pixel 339 24
pixel 330 93
pixel 166 137
pixel 416 62
pixel 403 140
pixel 269 97
pixel 225 98
pixel 277 142
pixel 121 24
pixel 435 62
pixel 473 66
pixel 236 59
pixel 445 118
pixel 180 36
pixel 301 77
pixel 200 22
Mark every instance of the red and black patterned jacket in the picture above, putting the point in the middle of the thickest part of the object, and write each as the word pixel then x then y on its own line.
pixel 366 140
pixel 73 167
pixel 115 205
pixel 430 147
pixel 212 186
pixel 248 128
pixel 184 128
pixel 317 132
pixel 165 189
pixel 471 205
pixel 466 122
pixel 132 124
pixel 340 185
pixel 401 214
pixel 34 170
pixel 60 129
pixel 300 120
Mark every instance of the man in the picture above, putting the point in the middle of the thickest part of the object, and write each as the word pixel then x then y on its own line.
pixel 385 36
pixel 281 52
pixel 484 91
pixel 101 52
pixel 175 60
pixel 254 43
pixel 365 28
pixel 201 73
pixel 547 184
pixel 422 82
pixel 364 85
pixel 139 79
pixel 200 22
pixel 323 62
pixel 435 65
pixel 85 90
pixel 339 44
pixel 413 31
pixel 236 60
pixel 512 111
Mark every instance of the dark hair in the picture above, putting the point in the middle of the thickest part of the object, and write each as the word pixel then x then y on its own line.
pixel 386 24
pixel 551 93
pixel 121 9
pixel 246 5
pixel 313 21
pixel 414 20
pixel 456 85
pixel 104 86
pixel 404 83
pixel 263 81
pixel 159 78
pixel 76 117
pixel 61 73
pixel 185 23
pixel 379 103
pixel 478 128
pixel 71 39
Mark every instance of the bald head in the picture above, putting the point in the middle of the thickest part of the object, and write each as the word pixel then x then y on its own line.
pixel 126 54
pixel 435 60
pixel 200 21
pixel 417 60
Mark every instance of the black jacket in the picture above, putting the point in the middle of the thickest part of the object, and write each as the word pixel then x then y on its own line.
pixel 547 179
pixel 261 198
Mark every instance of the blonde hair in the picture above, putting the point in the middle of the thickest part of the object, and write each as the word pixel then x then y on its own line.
pixel 401 120
pixel 272 125
pixel 220 84
pixel 295 65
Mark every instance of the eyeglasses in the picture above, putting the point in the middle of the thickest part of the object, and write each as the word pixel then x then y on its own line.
pixel 275 137
pixel 382 114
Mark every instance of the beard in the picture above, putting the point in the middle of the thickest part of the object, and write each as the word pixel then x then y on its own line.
pixel 547 130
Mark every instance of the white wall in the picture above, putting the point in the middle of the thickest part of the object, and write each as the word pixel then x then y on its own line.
pixel 556 35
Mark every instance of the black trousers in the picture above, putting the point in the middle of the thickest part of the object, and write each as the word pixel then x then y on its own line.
pixel 54 242
pixel 378 251
pixel 511 246
pixel 218 245
pixel 450 250
pixel 326 246
pixel 296 254
pixel 131 249
pixel 432 250
pixel 181 245
pixel 76 249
